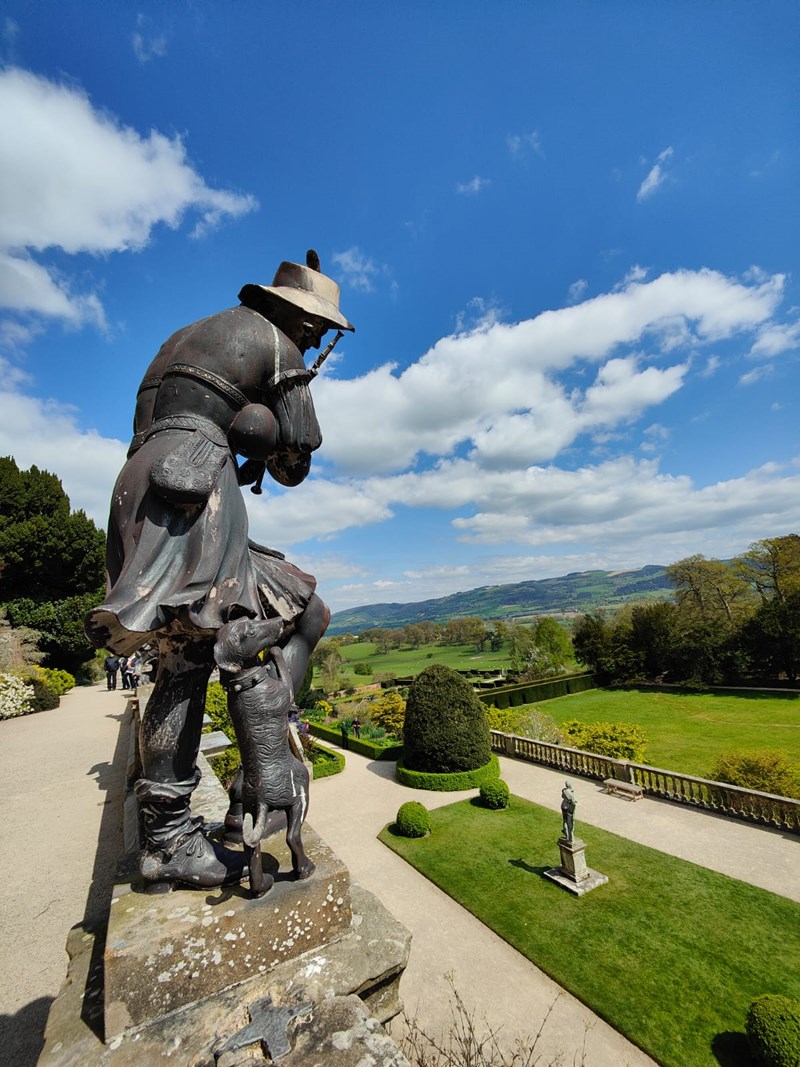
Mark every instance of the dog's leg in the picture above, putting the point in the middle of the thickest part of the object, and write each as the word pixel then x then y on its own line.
pixel 301 864
pixel 260 881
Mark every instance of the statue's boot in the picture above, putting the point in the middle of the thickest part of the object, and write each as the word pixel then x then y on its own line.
pixel 175 850
pixel 193 861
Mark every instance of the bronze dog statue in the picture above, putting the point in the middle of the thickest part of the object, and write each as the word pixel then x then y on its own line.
pixel 260 696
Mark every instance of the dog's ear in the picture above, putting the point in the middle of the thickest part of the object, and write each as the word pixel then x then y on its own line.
pixel 226 650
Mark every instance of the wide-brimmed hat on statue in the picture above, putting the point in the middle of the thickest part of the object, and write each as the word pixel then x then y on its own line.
pixel 306 287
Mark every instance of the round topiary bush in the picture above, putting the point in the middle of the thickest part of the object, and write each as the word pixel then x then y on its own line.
pixel 495 794
pixel 445 728
pixel 773 1030
pixel 413 819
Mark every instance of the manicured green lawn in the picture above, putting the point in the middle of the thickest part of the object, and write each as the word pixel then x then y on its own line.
pixel 408 661
pixel 686 731
pixel 669 953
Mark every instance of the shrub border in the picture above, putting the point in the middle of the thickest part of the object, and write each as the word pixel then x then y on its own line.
pixel 530 692
pixel 356 744
pixel 444 783
pixel 333 764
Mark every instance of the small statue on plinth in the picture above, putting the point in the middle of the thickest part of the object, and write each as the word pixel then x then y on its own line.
pixel 573 874
pixel 568 804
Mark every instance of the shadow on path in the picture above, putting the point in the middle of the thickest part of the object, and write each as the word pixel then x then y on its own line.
pixel 110 779
pixel 22 1035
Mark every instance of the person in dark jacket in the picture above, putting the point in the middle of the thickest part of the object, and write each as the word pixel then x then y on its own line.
pixel 111 666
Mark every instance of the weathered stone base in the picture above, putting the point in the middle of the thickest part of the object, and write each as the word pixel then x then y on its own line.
pixel 352 983
pixel 579 889
pixel 573 874
pixel 163 952
pixel 173 977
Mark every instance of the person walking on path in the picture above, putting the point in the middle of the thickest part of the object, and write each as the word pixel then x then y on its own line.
pixel 111 665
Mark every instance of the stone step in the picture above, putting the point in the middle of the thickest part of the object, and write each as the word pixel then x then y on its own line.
pixel 214 743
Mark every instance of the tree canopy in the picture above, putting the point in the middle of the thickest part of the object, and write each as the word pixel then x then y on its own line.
pixel 52 562
pixel 731 620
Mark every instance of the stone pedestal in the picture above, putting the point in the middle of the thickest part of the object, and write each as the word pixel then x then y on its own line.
pixel 573 874
pixel 185 974
pixel 164 952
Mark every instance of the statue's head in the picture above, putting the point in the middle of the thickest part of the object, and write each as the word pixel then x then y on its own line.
pixel 304 296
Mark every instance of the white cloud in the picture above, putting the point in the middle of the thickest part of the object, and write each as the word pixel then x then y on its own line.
pixel 494 409
pixel 498 386
pixel 776 338
pixel 479 314
pixel 360 272
pixel 712 365
pixel 521 144
pixel 73 177
pixel 656 176
pixel 655 436
pixel 147 44
pixel 46 433
pixel 577 289
pixel 757 374
pixel 473 186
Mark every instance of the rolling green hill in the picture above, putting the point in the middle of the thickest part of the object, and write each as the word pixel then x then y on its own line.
pixel 572 593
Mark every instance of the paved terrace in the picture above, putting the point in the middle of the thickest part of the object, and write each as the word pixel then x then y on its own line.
pixel 65 836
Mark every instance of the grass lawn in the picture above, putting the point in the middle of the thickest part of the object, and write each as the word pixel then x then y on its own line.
pixel 686 731
pixel 669 953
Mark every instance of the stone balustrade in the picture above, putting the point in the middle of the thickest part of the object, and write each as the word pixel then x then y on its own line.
pixel 763 808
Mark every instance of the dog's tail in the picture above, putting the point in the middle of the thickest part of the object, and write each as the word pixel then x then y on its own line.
pixel 252 834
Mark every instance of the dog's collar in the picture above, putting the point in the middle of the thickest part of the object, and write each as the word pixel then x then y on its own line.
pixel 242 680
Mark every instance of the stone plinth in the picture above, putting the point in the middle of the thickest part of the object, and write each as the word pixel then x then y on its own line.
pixel 573 874
pixel 173 977
pixel 366 959
pixel 166 951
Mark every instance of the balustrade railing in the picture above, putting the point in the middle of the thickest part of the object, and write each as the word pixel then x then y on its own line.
pixel 719 797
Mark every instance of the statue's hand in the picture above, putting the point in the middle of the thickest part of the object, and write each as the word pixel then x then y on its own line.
pixel 250 471
pixel 289 468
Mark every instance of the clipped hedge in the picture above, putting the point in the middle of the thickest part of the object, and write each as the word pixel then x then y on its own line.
pixel 445 728
pixel 532 692
pixel 413 819
pixel 445 783
pixel 326 762
pixel 372 749
pixel 495 794
pixel 773 1031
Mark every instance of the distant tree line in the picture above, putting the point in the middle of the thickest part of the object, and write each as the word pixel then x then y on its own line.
pixel 52 565
pixel 730 621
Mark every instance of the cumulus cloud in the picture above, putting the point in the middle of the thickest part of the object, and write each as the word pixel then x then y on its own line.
pixel 479 430
pixel 73 178
pixel 473 186
pixel 499 387
pixel 655 177
pixel 47 434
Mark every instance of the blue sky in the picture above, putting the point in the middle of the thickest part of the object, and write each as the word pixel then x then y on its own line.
pixel 567 234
